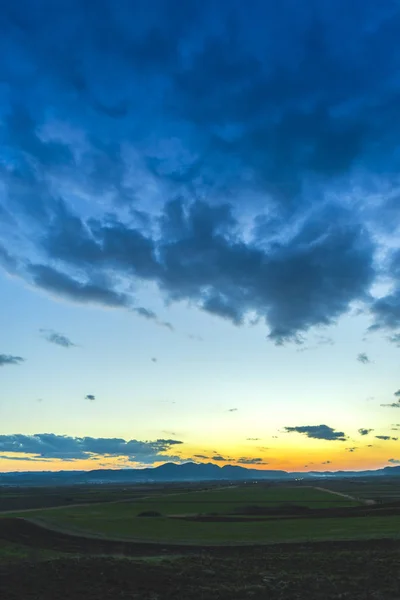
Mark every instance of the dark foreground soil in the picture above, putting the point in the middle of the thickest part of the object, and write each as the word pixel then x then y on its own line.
pixel 263 574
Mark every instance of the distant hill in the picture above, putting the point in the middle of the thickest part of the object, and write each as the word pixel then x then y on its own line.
pixel 173 472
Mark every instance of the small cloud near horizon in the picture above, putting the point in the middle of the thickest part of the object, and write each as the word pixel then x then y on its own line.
pixel 318 432
pixel 90 397
pixel 364 431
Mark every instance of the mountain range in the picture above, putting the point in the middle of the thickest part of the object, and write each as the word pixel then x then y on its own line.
pixel 170 472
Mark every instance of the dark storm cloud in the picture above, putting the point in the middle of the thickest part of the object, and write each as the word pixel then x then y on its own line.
pixel 364 431
pixel 57 338
pixel 9 359
pixel 90 397
pixel 363 358
pixel 318 432
pixel 202 100
pixel 63 447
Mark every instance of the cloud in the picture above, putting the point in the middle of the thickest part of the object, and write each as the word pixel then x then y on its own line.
pixel 9 359
pixel 154 359
pixel 392 404
pixel 352 449
pixel 394 461
pixel 202 456
pixel 151 315
pixel 326 462
pixel 57 338
pixel 364 431
pixel 90 397
pixel 250 461
pixel 63 447
pixel 232 409
pixel 63 285
pixel 385 437
pixel 363 358
pixel 253 439
pixel 219 458
pixel 397 394
pixel 318 432
pixel 294 155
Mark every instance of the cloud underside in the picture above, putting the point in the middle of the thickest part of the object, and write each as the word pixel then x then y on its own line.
pixel 233 180
pixel 49 446
pixel 318 432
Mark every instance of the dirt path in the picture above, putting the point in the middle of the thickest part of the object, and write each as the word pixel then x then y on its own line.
pixel 366 502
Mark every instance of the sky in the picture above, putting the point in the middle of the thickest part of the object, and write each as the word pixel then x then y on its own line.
pixel 199 234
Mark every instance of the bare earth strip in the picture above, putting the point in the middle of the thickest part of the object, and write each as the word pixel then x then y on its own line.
pixel 367 502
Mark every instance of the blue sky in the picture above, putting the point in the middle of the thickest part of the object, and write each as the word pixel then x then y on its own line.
pixel 199 233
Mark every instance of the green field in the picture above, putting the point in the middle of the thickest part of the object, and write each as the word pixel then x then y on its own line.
pixel 226 500
pixel 121 520
pixel 117 524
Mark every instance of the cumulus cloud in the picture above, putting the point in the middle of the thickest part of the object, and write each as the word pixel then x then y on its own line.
pixel 287 158
pixel 363 358
pixel 57 338
pixel 9 359
pixel 397 394
pixel 364 431
pixel 318 432
pixel 63 447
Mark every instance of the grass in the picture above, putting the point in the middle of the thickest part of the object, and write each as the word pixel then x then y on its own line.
pixel 10 552
pixel 219 501
pixel 120 520
pixel 167 530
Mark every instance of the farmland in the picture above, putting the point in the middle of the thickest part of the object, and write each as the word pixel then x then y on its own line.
pixel 209 541
pixel 236 514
